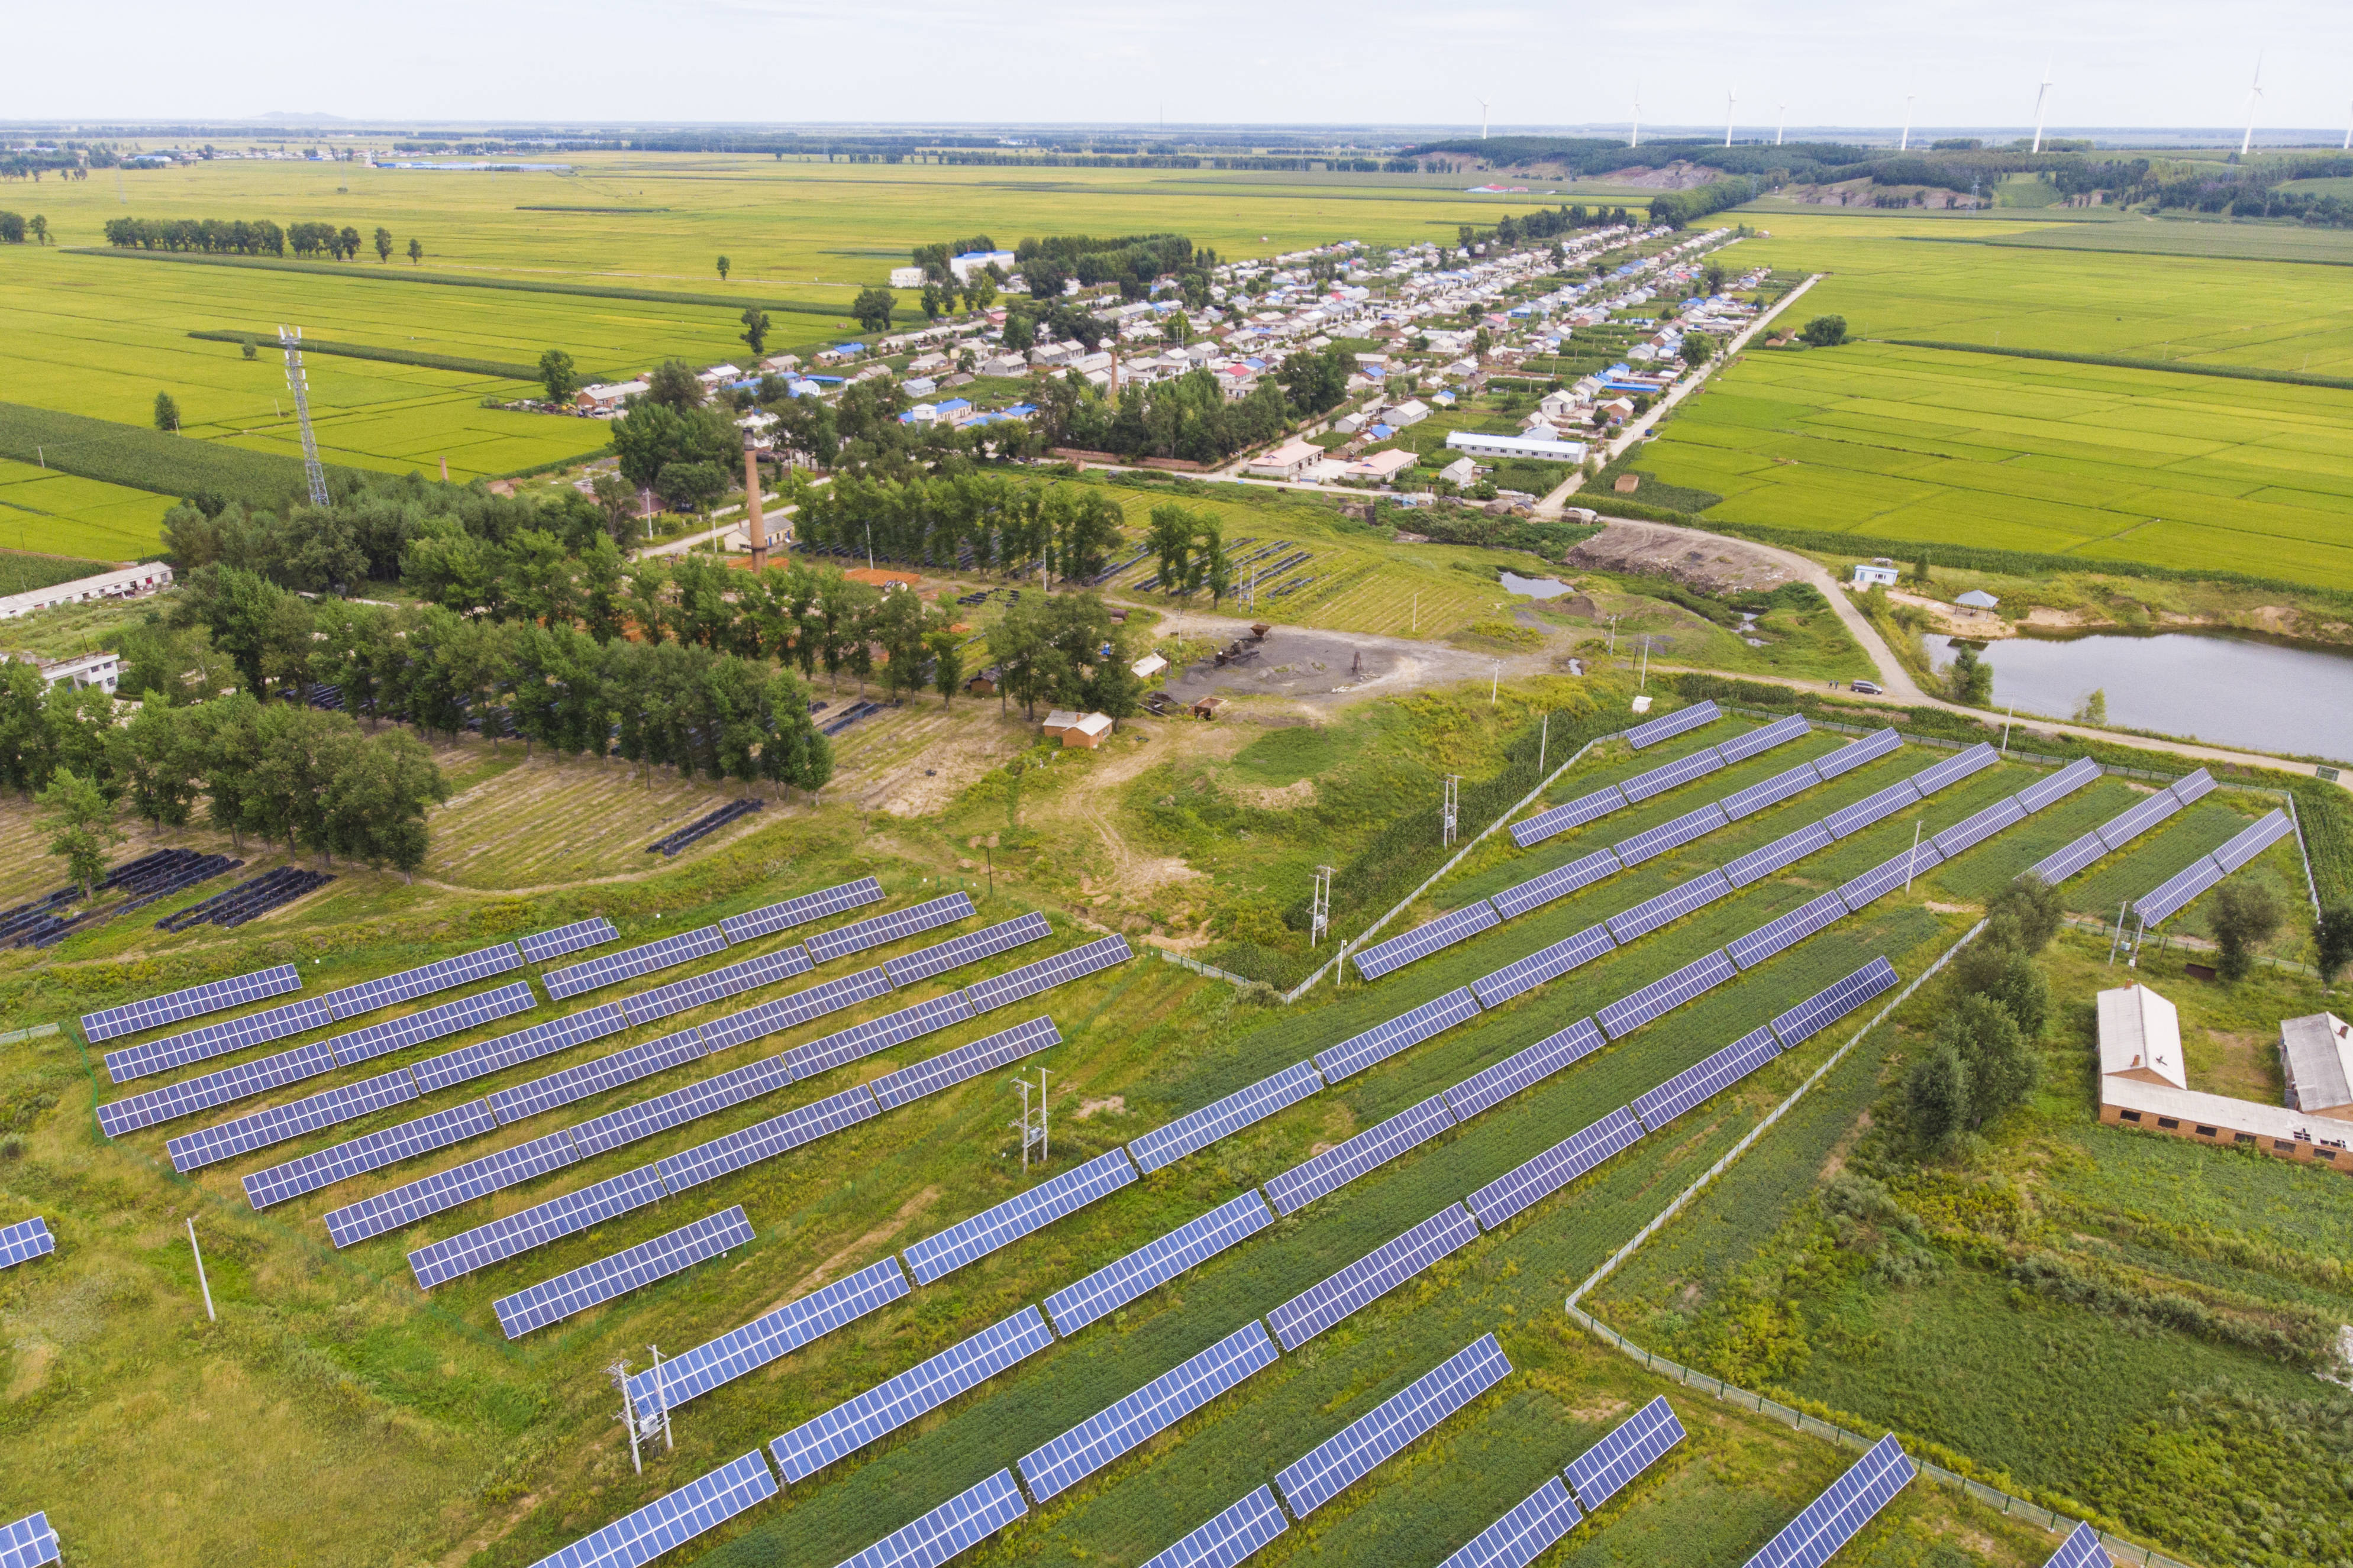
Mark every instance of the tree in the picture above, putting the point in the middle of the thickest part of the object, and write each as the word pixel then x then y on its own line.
pixel 373 807
pixel 1920 568
pixel 249 347
pixel 672 385
pixel 691 486
pixel 872 307
pixel 555 373
pixel 2332 941
pixel 1698 347
pixel 755 330
pixel 1169 535
pixel 1937 1097
pixel 383 244
pixel 617 500
pixel 2244 916
pixel 416 250
pixel 1825 331
pixel 948 662
pixel 347 243
pixel 2004 974
pixel 1971 678
pixel 40 227
pixel 2094 711
pixel 80 826
pixel 167 414
pixel 1317 381
pixel 723 265
pixel 2026 914
pixel 2002 1069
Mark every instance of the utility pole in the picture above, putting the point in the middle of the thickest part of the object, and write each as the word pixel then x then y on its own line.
pixel 662 1400
pixel 1913 863
pixel 1494 681
pixel 2119 933
pixel 1543 744
pixel 1645 683
pixel 1032 1132
pixel 619 1373
pixel 2008 714
pixel 1417 614
pixel 1447 812
pixel 202 1284
pixel 1613 637
pixel 1319 918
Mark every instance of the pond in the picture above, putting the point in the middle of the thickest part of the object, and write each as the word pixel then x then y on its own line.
pixel 1536 587
pixel 2222 688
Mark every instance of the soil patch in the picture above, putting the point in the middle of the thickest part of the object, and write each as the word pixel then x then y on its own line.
pixel 1719 566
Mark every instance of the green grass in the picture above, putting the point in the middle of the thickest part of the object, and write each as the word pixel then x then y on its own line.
pixel 61 514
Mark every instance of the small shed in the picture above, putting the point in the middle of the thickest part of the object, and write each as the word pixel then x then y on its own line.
pixel 983 684
pixel 1150 665
pixel 1078 729
pixel 2316 1064
pixel 1207 708
pixel 1977 599
pixel 1868 575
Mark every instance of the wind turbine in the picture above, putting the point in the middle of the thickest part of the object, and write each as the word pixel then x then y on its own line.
pixel 1635 138
pixel 1731 103
pixel 2042 94
pixel 1905 144
pixel 1483 119
pixel 1780 124
pixel 2254 95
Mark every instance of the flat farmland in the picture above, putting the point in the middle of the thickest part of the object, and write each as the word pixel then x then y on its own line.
pixel 46 509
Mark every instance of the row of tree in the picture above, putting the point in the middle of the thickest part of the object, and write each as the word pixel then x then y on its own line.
pixel 997 522
pixel 15 226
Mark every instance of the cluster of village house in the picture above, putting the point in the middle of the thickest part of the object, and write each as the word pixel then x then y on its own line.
pixel 2144 1083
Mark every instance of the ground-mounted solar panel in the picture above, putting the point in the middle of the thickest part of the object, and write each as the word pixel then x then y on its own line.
pixel 887 1406
pixel 28 1542
pixel 1455 925
pixel 715 984
pixel 861 1040
pixel 2253 840
pixel 1315 1478
pixel 535 1226
pixel 1664 994
pixel 412 1201
pixel 1786 932
pixel 1525 1534
pixel 1558 883
pixel 631 962
pixel 1954 769
pixel 1876 807
pixel 371 1152
pixel 1703 1082
pixel 1781 786
pixel 770 919
pixel 2192 788
pixel 766 1139
pixel 433 1022
pixel 591 1284
pixel 1230 1538
pixel 1544 964
pixel 155 1012
pixel 1057 1466
pixel 2060 865
pixel 487 1056
pixel 1553 1169
pixel 1156 1262
pixel 942 1254
pixel 1312 1178
pixel 1633 1446
pixel 1832 1519
pixel 1387 1038
pixel 787 1012
pixel 1668 726
pixel 1671 775
pixel 1827 1007
pixel 573 1083
pixel 1492 1085
pixel 965 1062
pixel 1561 818
pixel 2058 786
pixel 26 1240
pixel 876 930
pixel 1979 826
pixel 1682 830
pixel 1896 871
pixel 542 945
pixel 410 983
pixel 691 1102
pixel 349 1103
pixel 1852 755
pixel 767 1338
pixel 2081 1549
pixel 1371 1277
pixel 1669 907
pixel 970 948
pixel 217 1039
pixel 671 1520
pixel 1779 732
pixel 2178 891
pixel 1056 969
pixel 1783 852
pixel 2137 819
pixel 189 1095
pixel 1197 1130
pixel 963 1521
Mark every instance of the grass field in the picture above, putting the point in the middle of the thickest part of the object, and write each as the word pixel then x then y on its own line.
pixel 2185 238
pixel 51 510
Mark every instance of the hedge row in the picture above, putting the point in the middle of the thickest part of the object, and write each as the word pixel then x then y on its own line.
pixel 2176 367
pixel 150 461
pixel 502 368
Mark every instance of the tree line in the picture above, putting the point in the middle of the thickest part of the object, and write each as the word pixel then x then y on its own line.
pixel 1003 524
pixel 15 226
pixel 243 236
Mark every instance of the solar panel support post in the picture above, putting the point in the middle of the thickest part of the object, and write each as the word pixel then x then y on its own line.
pixel 202 1283
pixel 661 1401
pixel 1319 916
pixel 619 1373
pixel 2119 933
pixel 1913 863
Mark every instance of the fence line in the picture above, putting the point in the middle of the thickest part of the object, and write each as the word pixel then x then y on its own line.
pixel 39 1030
pixel 1170 955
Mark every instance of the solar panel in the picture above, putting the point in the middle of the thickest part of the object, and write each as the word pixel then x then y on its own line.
pixel 671 1520
pixel 189 1096
pixel 1853 754
pixel 433 1022
pixel 525 1045
pixel 28 1542
pixel 967 949
pixel 877 1035
pixel 1197 1130
pixel 772 918
pixel 965 1062
pixel 1633 1446
pixel 1779 732
pixel 1525 1534
pixel 1769 792
pixel 138 1017
pixel 1492 1085
pixel 2250 842
pixel 1230 1538
pixel 1317 1477
pixel 1156 1262
pixel 764 1139
pixel 2136 819
pixel 672 1252
pixel 372 1153
pixel 217 1039
pixel 192 1151
pixel 1057 1466
pixel 534 1226
pixel 1952 770
pixel 1889 875
pixel 2197 787
pixel 1553 1169
pixel 2055 869
pixel 1668 907
pixel 632 962
pixel 1070 963
pixel 1877 806
pixel 1831 1520
pixel 1388 1038
pixel 876 930
pixel 770 1337
pixel 1371 1277
pixel 640 1061
pixel 1455 925
pixel 27 1238
pixel 1669 836
pixel 1671 775
pixel 2178 891
pixel 410 983
pixel 1559 882
pixel 680 1105
pixel 542 945
pixel 1669 725
pixel 447 1189
pixel 2081 1549
pixel 1664 994
pixel 965 1520
pixel 1787 930
pixel 785 1012
pixel 1546 963
pixel 1975 829
pixel 2058 786
pixel 1698 1084
pixel 716 985
pixel 1335 1168
pixel 1785 851
pixel 1561 818
pixel 1820 1011
pixel 939 1255
pixel 887 1406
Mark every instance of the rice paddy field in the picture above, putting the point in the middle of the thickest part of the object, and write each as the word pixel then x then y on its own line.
pixel 51 510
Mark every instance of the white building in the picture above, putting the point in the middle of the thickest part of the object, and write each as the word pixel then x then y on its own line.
pixel 124 582
pixel 100 670
pixel 1287 461
pixel 2316 1064
pixel 973 261
pixel 1478 444
pixel 1867 574
pixel 907 278
pixel 1462 472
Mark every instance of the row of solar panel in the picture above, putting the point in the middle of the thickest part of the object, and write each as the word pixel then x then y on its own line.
pixel 855 937
pixel 2178 892
pixel 28 1542
pixel 2120 829
pixel 1587 808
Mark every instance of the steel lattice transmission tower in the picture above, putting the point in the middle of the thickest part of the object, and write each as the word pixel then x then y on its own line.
pixel 290 340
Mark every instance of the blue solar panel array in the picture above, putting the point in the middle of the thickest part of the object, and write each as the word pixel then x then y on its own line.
pixel 1315 1478
pixel 137 1018
pixel 887 1406
pixel 1544 964
pixel 1343 1163
pixel 1785 851
pixel 1976 828
pixel 1779 732
pixel 372 1153
pixel 764 1139
pixel 1820 1011
pixel 674 1252
pixel 27 1238
pixel 638 1538
pixel 445 1189
pixel 1769 792
pixel 963 1521
pixel 1492 1085
pixel 876 930
pixel 1057 1466
pixel 1633 1446
pixel 1699 1083
pixel 2193 788
pixel 525 1045
pixel 2251 841
pixel 688 1103
pixel 1849 757
pixel 963 1063
pixel 28 1542
pixel 1571 814
pixel 1831 1520
pixel 441 1262
pixel 2058 786
pixel 1553 1169
pixel 1877 806
pixel 1787 930
pixel 1558 883
pixel 2060 865
pixel 799 1007
pixel 968 949
pixel 1049 1200
pixel 632 962
pixel 1230 1538
pixel 1668 836
pixel 542 945
pixel 1890 874
pixel 767 1338
pixel 217 1039
pixel 433 1022
pixel 2178 891
pixel 1455 925
pixel 410 983
pixel 191 1095
pixel 1952 770
pixel 2081 1549
pixel 1167 1144
pixel 773 917
pixel 2137 819
pixel 1664 994
pixel 1156 1262
pixel 1387 1038
pixel 1669 907
pixel 348 1102
pixel 1525 1534
pixel 1673 724
pixel 1371 1277
pixel 1060 969
pixel 1672 775
pixel 606 1072
pixel 715 984
pixel 861 1040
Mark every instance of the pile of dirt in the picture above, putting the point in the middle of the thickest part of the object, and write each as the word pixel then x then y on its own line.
pixel 1720 566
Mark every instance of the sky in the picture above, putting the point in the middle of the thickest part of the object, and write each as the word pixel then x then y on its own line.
pixel 1835 63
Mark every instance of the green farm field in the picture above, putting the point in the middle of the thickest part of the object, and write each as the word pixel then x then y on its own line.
pixel 60 513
